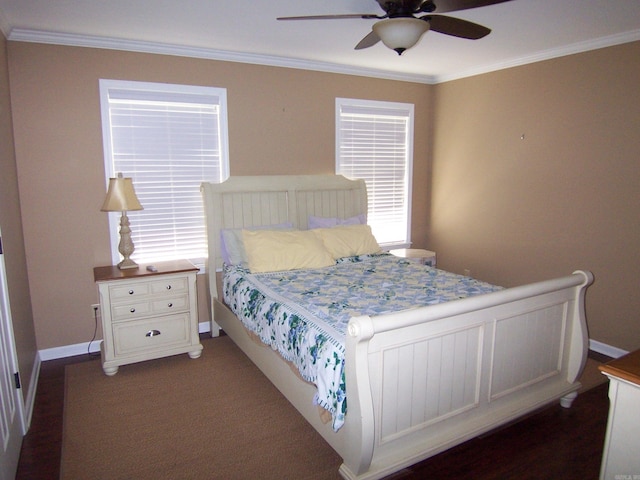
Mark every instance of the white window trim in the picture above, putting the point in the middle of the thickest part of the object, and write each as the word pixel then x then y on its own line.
pixel 104 86
pixel 384 105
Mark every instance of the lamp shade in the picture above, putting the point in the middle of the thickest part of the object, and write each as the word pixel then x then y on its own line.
pixel 400 33
pixel 121 196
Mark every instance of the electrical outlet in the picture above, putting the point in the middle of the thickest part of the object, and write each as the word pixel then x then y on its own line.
pixel 95 310
pixel 466 272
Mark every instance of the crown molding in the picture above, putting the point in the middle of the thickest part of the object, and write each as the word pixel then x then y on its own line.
pixel 67 39
pixel 54 38
pixel 580 47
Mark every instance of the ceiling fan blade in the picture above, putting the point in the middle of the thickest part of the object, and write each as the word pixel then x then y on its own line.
pixel 332 17
pixel 456 27
pixel 368 41
pixel 442 6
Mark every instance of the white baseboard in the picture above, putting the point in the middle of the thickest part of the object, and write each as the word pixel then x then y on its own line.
pixel 204 327
pixel 90 347
pixel 608 350
pixel 30 401
pixel 70 350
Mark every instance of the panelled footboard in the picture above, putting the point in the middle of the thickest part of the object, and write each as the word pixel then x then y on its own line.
pixel 426 379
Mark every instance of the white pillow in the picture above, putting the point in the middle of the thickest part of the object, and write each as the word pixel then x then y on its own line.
pixel 348 240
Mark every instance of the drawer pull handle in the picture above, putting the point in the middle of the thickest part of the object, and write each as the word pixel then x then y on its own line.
pixel 133 310
pixel 170 305
pixel 131 292
pixel 168 287
pixel 152 333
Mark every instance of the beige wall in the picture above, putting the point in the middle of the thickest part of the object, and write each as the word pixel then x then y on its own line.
pixel 281 121
pixel 12 238
pixel 566 196
pixel 511 210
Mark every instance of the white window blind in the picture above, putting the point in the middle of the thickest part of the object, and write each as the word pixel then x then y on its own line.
pixel 374 142
pixel 168 139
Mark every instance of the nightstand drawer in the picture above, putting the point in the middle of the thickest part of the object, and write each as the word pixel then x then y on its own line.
pixel 130 311
pixel 138 289
pixel 128 290
pixel 175 303
pixel 152 306
pixel 172 285
pixel 166 332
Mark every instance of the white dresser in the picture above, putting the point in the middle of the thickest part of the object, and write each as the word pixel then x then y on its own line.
pixel 147 315
pixel 621 455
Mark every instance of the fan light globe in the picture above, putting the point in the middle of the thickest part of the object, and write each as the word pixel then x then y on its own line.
pixel 400 33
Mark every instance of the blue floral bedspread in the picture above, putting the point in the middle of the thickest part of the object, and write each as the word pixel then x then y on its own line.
pixel 303 314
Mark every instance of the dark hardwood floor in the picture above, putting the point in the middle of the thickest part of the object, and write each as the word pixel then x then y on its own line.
pixel 554 443
pixel 41 446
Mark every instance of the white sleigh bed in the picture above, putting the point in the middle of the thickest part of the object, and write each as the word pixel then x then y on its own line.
pixel 425 379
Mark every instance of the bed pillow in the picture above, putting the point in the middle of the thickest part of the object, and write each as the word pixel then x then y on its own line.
pixel 348 240
pixel 275 251
pixel 231 246
pixel 327 222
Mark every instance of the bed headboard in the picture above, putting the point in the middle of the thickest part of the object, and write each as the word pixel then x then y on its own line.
pixel 249 201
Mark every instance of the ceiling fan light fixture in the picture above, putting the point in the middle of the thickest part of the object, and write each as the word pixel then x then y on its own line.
pixel 400 33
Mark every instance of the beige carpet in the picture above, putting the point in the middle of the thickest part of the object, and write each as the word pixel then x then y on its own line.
pixel 216 417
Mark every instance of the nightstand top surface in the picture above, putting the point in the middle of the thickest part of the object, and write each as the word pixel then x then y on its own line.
pixel 412 253
pixel 626 367
pixel 112 272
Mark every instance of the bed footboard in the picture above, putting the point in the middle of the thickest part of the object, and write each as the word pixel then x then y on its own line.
pixel 426 379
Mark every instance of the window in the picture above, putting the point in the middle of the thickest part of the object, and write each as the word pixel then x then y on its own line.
pixel 168 139
pixel 374 142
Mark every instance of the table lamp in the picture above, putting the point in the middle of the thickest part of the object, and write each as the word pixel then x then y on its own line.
pixel 121 197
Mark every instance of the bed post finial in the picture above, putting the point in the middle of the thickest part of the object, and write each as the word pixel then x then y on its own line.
pixel 361 328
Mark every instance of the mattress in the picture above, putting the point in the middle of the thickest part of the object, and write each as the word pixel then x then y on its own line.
pixel 303 314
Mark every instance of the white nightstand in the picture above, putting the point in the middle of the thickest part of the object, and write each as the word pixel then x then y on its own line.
pixel 147 315
pixel 426 257
pixel 622 439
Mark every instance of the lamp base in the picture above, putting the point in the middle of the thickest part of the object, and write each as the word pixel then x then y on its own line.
pixel 127 263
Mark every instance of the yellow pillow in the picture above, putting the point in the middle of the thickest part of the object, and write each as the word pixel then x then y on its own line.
pixel 348 240
pixel 274 251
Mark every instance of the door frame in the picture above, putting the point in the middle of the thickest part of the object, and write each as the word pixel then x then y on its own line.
pixel 16 427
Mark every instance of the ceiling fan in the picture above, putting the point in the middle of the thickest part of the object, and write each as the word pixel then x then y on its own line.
pixel 400 29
